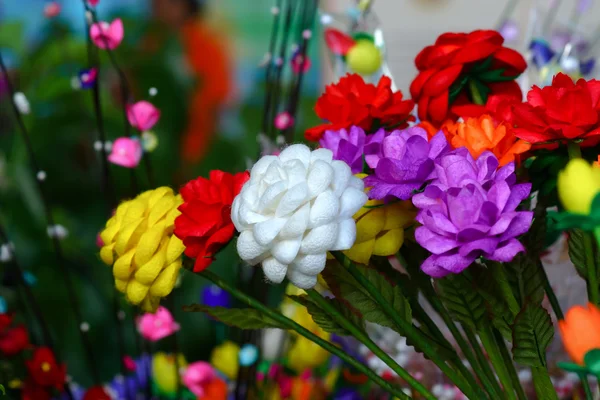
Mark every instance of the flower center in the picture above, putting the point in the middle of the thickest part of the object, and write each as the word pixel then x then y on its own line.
pixel 45 367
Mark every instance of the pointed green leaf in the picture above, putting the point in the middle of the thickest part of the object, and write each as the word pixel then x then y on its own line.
pixel 532 334
pixel 572 367
pixel 526 278
pixel 323 319
pixel 544 389
pixel 577 252
pixel 345 286
pixel 462 300
pixel 243 318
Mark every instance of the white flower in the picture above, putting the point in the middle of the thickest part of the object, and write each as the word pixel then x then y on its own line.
pixel 21 102
pixel 294 209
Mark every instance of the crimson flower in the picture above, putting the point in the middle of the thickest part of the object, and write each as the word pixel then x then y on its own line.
pixel 205 224
pixel 563 111
pixel 14 340
pixel 96 393
pixel 353 102
pixel 32 391
pixel 44 370
pixel 461 72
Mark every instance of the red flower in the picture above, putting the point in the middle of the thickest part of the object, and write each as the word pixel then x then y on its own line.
pixel 5 321
pixel 44 370
pixel 459 63
pixel 31 391
pixel 96 393
pixel 351 101
pixel 563 111
pixel 205 224
pixel 14 340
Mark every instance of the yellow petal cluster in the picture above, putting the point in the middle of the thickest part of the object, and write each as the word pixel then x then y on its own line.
pixel 225 358
pixel 140 245
pixel 380 228
pixel 578 184
pixel 164 372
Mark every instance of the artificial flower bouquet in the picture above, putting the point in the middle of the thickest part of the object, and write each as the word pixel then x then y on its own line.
pixel 381 212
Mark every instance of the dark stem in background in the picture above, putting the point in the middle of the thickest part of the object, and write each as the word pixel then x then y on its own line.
pixel 125 97
pixel 269 69
pixel 308 24
pixel 35 306
pixel 50 220
pixel 108 189
pixel 172 306
pixel 276 88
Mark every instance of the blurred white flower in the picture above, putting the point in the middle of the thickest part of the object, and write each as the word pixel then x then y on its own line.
pixel 294 209
pixel 22 103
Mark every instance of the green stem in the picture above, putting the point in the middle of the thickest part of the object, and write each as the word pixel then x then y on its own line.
pixel 364 338
pixel 499 273
pixel 588 246
pixel 483 363
pixel 490 345
pixel 597 235
pixel 510 365
pixel 550 292
pixel 542 383
pixel 292 325
pixel 411 333
pixel 475 95
pixel 586 387
pixel 573 149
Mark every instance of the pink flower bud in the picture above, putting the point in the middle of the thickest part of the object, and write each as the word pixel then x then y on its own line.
pixel 143 115
pixel 157 326
pixel 107 36
pixel 126 152
pixel 51 9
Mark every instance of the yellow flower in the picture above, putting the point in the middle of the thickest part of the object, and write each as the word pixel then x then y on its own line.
pixel 164 372
pixel 578 184
pixel 225 358
pixel 140 245
pixel 380 228
pixel 304 354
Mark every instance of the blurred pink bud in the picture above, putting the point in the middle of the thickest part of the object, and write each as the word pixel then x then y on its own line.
pixel 126 152
pixel 51 9
pixel 283 120
pixel 129 363
pixel 196 376
pixel 297 63
pixel 157 326
pixel 107 36
pixel 99 241
pixel 93 3
pixel 142 115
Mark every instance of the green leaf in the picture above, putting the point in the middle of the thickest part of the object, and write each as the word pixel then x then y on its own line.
pixel 243 318
pixel 346 287
pixel 495 75
pixel 534 240
pixel 572 367
pixel 482 66
pixel 456 88
pixel 494 287
pixel 323 319
pixel 577 252
pixel 532 334
pixel 12 36
pixel 526 278
pixel 462 300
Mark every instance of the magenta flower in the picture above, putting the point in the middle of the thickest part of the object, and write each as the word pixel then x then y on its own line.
pixel 143 115
pixel 197 375
pixel 470 211
pixel 107 36
pixel 346 146
pixel 157 326
pixel 407 163
pixel 126 152
pixel 52 9
pixel 93 3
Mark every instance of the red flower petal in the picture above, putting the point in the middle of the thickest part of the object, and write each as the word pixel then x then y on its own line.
pixel 417 84
pixel 339 43
pixel 513 61
pixel 438 108
pixel 441 81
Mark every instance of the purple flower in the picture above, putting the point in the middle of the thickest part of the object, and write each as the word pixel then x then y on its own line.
pixel 346 146
pixel 374 147
pixel 407 163
pixel 468 212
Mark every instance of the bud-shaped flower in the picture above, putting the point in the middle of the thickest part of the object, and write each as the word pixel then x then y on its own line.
pixel 578 184
pixel 294 209
pixel 580 331
pixel 380 228
pixel 139 243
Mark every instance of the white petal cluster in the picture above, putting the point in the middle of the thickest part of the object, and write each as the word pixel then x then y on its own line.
pixel 294 209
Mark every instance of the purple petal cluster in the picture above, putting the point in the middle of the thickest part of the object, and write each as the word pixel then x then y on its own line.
pixel 347 146
pixel 404 163
pixel 470 211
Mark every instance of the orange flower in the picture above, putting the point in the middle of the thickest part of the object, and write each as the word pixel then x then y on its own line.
pixel 580 331
pixel 480 134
